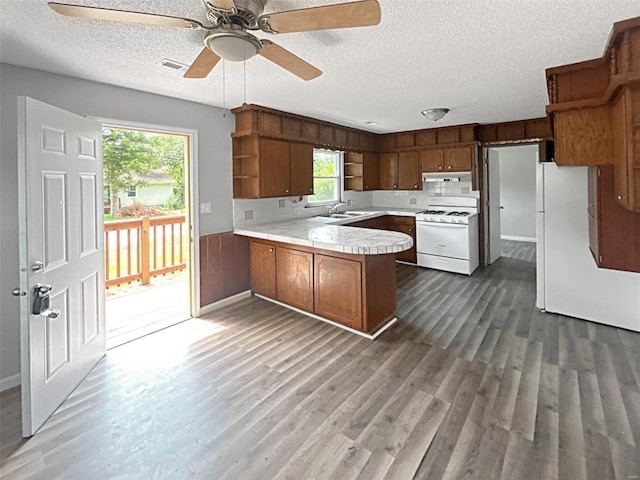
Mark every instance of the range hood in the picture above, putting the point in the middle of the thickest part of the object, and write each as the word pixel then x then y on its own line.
pixel 446 177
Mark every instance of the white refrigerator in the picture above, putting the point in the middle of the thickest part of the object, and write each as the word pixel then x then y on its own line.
pixel 568 280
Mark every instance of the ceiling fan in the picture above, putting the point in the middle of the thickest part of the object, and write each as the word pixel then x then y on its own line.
pixel 228 35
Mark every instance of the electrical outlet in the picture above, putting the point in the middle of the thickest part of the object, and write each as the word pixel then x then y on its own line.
pixel 248 214
pixel 205 207
pixel 349 203
pixel 413 201
pixel 281 203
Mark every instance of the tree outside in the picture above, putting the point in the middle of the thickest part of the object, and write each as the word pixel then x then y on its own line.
pixel 130 155
pixel 325 164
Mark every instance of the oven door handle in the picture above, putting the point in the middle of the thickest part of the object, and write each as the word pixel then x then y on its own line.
pixel 448 225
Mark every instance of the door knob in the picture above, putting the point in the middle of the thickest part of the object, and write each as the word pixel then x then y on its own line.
pixel 16 292
pixel 37 266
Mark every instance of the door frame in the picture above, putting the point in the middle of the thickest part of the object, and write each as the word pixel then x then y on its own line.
pixel 192 195
pixel 484 181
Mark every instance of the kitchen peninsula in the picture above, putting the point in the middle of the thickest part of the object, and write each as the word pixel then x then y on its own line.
pixel 321 266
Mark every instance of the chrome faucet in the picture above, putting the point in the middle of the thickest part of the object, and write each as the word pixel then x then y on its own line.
pixel 333 208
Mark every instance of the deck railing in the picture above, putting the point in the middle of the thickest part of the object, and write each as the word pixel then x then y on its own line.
pixel 142 248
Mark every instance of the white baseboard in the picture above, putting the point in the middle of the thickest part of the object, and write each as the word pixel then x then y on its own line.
pixel 518 239
pixel 224 302
pixel 330 322
pixel 10 382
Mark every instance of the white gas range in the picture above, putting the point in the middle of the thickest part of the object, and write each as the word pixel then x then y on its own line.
pixel 447 235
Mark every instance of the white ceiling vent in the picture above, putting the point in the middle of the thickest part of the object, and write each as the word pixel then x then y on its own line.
pixel 173 64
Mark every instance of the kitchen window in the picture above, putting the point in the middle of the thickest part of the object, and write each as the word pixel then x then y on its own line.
pixel 326 176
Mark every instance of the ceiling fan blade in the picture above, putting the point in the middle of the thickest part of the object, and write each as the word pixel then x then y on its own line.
pixel 287 60
pixel 96 13
pixel 202 65
pixel 223 4
pixel 343 15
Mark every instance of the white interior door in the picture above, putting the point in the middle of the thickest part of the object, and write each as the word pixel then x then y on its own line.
pixel 495 246
pixel 61 244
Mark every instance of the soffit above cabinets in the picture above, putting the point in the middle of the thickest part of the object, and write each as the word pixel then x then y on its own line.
pixel 483 59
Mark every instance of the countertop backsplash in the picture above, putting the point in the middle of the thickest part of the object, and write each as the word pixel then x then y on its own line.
pixel 268 210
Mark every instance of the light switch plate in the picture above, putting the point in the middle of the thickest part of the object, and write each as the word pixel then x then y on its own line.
pixel 281 203
pixel 248 214
pixel 205 207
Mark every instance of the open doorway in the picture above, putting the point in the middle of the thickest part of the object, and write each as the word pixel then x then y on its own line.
pixel 511 208
pixel 147 231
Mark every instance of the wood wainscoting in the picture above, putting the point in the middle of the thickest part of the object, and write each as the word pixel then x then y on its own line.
pixel 224 266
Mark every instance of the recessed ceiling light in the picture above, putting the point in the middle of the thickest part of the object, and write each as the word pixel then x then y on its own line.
pixel 173 64
pixel 371 122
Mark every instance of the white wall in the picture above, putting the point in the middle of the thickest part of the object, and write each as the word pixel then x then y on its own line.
pixel 156 194
pixel 106 101
pixel 518 191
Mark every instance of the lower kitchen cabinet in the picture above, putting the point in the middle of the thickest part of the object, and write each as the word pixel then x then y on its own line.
pixel 338 293
pixel 358 291
pixel 406 225
pixel 294 278
pixel 263 269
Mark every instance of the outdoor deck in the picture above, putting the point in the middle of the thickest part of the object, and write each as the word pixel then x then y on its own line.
pixel 135 310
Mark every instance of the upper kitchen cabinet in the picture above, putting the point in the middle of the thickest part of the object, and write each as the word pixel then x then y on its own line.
pixel 614 232
pixel 409 177
pixel 389 171
pixel 432 160
pixel 594 107
pixel 400 171
pixel 458 159
pixel 361 171
pixel 263 168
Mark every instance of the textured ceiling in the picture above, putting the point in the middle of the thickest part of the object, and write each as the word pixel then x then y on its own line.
pixel 483 59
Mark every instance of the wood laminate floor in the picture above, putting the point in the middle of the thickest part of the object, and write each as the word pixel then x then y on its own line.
pixel 473 382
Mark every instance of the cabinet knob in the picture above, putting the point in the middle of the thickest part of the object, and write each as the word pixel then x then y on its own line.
pixel 271 249
pixel 449 167
pixel 286 191
pixel 415 186
pixel 620 197
pixel 366 187
pixel 395 186
pixel 311 189
pixel 440 167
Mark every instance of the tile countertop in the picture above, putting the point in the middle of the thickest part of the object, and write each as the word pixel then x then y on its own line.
pixel 333 233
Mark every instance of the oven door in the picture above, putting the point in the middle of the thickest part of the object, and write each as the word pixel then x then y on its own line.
pixel 443 239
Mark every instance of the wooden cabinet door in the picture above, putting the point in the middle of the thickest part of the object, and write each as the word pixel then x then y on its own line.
pixel 620 133
pixel 388 171
pixel 458 159
pixel 371 171
pixel 406 225
pixel 432 160
pixel 409 177
pixel 294 278
pixel 592 212
pixel 301 168
pixel 274 168
pixel 338 290
pixel 263 269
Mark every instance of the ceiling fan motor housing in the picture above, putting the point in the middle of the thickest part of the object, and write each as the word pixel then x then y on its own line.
pixel 247 13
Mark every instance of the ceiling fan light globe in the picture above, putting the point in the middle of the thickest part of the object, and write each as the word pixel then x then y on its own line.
pixel 234 46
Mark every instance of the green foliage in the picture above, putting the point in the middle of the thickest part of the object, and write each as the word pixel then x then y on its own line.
pixel 128 154
pixel 324 165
